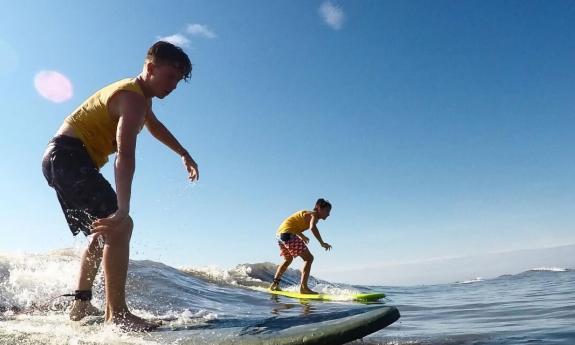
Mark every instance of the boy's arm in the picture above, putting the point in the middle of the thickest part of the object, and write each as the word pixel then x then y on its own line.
pixel 125 163
pixel 315 232
pixel 160 132
pixel 132 112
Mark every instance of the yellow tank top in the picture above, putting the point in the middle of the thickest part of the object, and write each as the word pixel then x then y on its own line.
pixel 94 125
pixel 295 224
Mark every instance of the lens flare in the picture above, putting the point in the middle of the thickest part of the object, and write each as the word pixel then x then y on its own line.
pixel 53 86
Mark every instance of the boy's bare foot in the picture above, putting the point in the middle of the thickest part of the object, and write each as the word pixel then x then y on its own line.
pixel 275 284
pixel 307 291
pixel 81 309
pixel 129 322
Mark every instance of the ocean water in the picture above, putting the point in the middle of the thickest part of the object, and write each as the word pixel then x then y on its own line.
pixel 533 307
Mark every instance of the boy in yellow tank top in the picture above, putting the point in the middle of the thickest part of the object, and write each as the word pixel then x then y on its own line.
pixel 109 122
pixel 292 242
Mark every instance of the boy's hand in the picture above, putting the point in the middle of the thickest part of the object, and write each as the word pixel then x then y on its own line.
pixel 191 167
pixel 304 238
pixel 106 224
pixel 326 246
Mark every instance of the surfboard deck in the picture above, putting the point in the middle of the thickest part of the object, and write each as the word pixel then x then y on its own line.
pixel 364 297
pixel 324 328
pixel 312 327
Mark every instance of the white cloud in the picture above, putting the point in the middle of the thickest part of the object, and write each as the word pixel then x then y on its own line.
pixel 200 30
pixel 177 39
pixel 332 15
pixel 183 40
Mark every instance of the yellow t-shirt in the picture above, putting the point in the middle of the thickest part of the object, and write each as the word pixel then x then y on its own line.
pixel 295 224
pixel 94 125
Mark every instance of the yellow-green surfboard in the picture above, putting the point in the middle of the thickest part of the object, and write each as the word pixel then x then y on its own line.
pixel 362 297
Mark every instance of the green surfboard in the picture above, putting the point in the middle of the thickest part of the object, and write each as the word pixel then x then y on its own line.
pixel 362 297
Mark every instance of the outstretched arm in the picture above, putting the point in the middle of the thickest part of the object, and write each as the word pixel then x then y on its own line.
pixel 315 232
pixel 160 132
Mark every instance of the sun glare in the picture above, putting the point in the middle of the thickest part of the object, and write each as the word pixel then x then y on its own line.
pixel 53 86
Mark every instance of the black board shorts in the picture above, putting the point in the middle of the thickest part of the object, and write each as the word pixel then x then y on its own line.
pixel 82 191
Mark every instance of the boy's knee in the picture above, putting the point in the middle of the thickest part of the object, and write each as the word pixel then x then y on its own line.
pixel 122 234
pixel 128 223
pixel 127 227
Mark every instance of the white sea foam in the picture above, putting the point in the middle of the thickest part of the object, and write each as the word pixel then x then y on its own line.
pixel 549 269
pixel 32 280
pixel 58 329
pixel 239 275
pixel 475 280
pixel 243 275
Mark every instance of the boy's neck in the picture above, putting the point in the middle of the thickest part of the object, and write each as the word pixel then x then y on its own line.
pixel 140 79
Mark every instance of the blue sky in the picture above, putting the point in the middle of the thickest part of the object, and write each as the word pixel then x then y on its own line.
pixel 436 129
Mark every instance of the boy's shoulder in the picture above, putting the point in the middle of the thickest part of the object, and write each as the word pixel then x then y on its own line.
pixel 307 213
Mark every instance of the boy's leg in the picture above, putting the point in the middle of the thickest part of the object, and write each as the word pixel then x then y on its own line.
pixel 82 193
pixel 85 195
pixel 116 258
pixel 305 271
pixel 280 271
pixel 90 262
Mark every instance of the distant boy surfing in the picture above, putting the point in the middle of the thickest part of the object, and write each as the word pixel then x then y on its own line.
pixel 292 242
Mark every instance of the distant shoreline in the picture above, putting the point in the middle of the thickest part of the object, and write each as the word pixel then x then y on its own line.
pixel 456 269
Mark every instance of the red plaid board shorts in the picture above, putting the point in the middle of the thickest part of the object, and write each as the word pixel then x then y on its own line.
pixel 292 247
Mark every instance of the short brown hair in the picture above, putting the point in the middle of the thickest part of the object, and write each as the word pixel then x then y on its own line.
pixel 322 203
pixel 163 52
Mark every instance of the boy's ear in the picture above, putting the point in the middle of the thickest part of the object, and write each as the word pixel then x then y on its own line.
pixel 150 67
